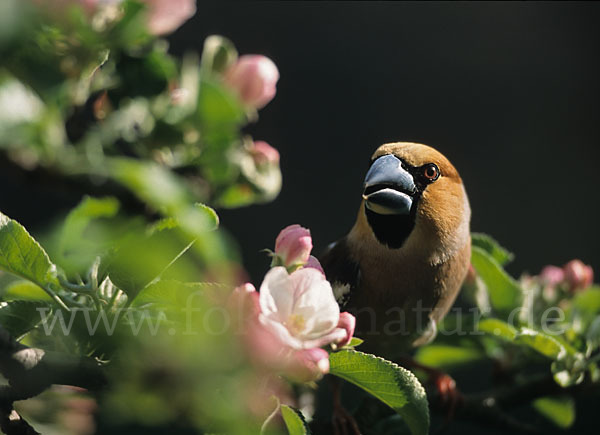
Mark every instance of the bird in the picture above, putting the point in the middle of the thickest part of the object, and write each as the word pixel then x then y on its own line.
pixel 402 264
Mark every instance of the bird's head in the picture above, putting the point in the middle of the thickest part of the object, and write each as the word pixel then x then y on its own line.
pixel 412 193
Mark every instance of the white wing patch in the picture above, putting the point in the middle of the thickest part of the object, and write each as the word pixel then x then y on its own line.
pixel 341 292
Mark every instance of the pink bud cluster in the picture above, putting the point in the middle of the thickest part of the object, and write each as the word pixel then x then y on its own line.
pixel 575 275
pixel 253 78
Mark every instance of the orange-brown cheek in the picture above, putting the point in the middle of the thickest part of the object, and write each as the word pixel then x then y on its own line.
pixel 440 208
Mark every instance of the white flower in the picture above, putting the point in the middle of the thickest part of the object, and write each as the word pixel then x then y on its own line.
pixel 299 308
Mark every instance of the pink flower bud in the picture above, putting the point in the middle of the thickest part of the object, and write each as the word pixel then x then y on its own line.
pixel 552 275
pixel 308 364
pixel 578 275
pixel 263 153
pixel 243 305
pixel 293 245
pixel 348 323
pixel 164 16
pixel 253 78
pixel 313 262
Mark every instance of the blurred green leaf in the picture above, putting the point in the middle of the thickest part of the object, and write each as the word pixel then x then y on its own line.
pixel 71 241
pixel 492 247
pixel 505 294
pixel 560 410
pixel 19 317
pixel 498 328
pixel 217 107
pixel 294 421
pixel 442 356
pixel 592 335
pixel 540 342
pixel 130 32
pixel 585 306
pixel 21 255
pixel 170 293
pixel 165 192
pixel 142 258
pixel 393 385
pixel 22 290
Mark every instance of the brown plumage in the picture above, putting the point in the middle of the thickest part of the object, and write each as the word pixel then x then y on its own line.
pixel 403 262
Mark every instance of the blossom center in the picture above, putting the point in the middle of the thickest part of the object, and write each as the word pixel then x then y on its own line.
pixel 296 323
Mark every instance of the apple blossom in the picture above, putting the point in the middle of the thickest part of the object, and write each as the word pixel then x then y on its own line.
pixel 300 309
pixel 264 348
pixel 293 246
pixel 253 78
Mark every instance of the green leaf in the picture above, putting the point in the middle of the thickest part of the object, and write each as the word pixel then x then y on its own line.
pixel 22 290
pixel 440 356
pixel 505 294
pixel 585 306
pixel 218 107
pixel 559 410
pixel 19 317
pixel 170 293
pixel 294 421
pixel 355 341
pixel 492 247
pixel 21 255
pixel 592 336
pixel 143 258
pixel 393 385
pixel 77 255
pixel 498 328
pixel 540 342
pixel 88 209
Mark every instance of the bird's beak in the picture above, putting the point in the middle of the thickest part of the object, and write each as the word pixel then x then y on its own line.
pixel 389 189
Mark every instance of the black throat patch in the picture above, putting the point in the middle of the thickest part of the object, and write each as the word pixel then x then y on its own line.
pixel 392 230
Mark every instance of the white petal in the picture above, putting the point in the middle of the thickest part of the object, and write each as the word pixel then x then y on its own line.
pixel 281 332
pixel 314 301
pixel 338 334
pixel 276 294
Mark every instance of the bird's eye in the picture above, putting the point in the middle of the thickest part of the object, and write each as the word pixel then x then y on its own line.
pixel 431 172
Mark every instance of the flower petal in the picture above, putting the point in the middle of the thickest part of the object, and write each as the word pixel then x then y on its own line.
pixel 276 294
pixel 279 331
pixel 314 301
pixel 348 323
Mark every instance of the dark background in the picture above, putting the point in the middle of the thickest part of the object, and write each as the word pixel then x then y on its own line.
pixel 509 92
